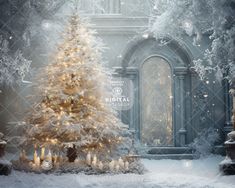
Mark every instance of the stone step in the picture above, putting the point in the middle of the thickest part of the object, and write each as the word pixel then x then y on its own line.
pixel 168 156
pixel 169 150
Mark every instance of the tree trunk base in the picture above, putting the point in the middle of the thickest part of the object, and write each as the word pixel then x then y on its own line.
pixel 71 154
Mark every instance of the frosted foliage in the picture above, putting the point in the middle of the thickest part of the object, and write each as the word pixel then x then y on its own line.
pixel 203 144
pixel 96 6
pixel 200 68
pixel 44 6
pixel 194 18
pixel 13 67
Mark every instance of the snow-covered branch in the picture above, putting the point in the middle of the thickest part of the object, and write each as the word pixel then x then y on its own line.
pixel 13 67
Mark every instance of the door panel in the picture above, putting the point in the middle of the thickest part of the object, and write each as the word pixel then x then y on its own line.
pixel 156 97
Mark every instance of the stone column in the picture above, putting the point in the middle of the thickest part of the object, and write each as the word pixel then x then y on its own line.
pixel 132 110
pixel 132 74
pixel 182 131
pixel 180 72
pixel 228 102
pixel 117 7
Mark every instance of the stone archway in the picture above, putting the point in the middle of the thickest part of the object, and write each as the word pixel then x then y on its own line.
pixel 179 59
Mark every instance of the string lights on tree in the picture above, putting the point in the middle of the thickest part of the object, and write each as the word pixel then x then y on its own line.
pixel 71 128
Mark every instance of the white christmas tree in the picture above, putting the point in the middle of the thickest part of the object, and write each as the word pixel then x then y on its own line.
pixel 71 117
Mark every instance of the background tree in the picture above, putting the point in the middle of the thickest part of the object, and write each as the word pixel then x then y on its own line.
pixel 195 18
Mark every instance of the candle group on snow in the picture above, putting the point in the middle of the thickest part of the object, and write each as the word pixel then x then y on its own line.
pixel 91 160
pixel 113 166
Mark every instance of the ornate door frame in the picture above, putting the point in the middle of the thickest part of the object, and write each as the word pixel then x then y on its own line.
pixel 179 60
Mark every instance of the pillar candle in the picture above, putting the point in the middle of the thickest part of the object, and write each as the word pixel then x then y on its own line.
pixel 60 158
pixel 94 160
pixel 35 156
pixel 121 163
pixel 93 164
pixel 42 153
pixel 49 156
pixel 77 160
pixel 88 158
pixel 100 165
pixel 117 167
pixel 22 155
pixel 37 161
pixel 55 158
pixel 112 165
pixel 33 166
pixel 126 165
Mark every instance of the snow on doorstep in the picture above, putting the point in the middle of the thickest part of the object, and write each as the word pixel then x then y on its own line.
pixel 201 173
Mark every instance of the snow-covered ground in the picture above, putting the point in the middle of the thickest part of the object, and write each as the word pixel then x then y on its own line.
pixel 201 173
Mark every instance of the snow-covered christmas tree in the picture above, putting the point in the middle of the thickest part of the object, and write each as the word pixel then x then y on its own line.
pixel 71 128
